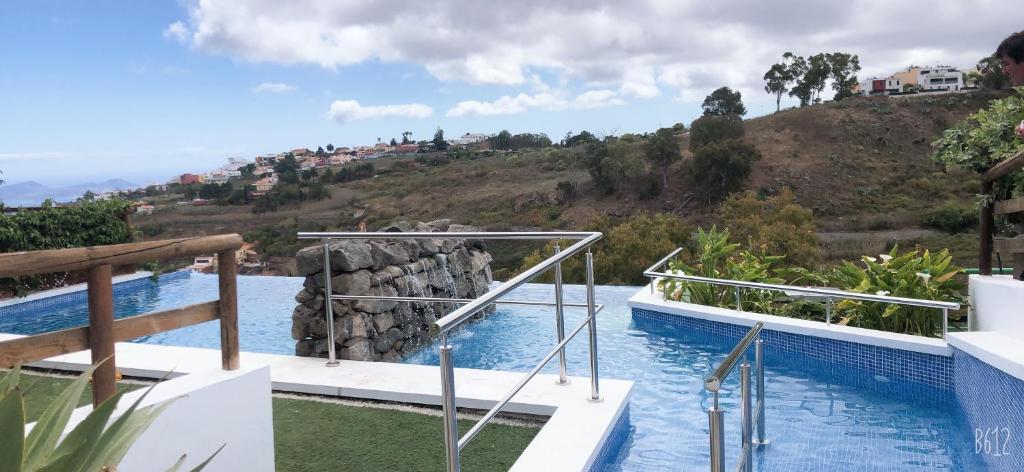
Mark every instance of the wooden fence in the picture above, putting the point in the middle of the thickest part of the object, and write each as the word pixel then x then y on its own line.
pixel 103 330
pixel 1009 246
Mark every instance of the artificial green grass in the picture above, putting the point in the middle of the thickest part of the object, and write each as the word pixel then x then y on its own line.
pixel 311 435
pixel 40 390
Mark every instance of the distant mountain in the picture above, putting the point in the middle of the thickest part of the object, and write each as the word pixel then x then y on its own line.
pixel 33 193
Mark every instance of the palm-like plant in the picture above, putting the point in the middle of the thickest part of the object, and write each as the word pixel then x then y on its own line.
pixel 95 444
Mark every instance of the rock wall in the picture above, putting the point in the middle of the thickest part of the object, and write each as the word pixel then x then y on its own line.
pixel 386 330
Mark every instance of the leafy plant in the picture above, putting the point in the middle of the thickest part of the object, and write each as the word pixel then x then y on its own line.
pixel 951 218
pixel 96 443
pixel 984 139
pixel 715 257
pixel 926 276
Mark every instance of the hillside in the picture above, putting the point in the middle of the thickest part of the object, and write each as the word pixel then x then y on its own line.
pixel 33 193
pixel 862 165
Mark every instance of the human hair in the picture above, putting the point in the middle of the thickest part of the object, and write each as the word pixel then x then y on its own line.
pixel 1012 47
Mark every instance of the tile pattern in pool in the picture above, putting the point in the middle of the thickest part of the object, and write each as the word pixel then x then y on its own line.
pixel 994 404
pixel 929 369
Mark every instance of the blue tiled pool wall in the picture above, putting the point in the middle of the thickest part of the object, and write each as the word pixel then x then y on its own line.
pixel 928 371
pixel 81 296
pixel 608 457
pixel 993 403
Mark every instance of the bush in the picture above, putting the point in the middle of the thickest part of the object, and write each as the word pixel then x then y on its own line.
pixel 773 226
pixel 714 128
pixel 721 168
pixel 951 218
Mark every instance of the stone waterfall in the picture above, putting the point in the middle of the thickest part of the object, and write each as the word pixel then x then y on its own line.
pixel 372 330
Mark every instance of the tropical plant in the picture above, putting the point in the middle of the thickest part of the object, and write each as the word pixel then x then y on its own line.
pixel 926 276
pixel 97 443
pixel 776 225
pixel 713 256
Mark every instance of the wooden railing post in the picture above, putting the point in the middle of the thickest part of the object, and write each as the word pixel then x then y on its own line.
pixel 227 276
pixel 985 228
pixel 101 333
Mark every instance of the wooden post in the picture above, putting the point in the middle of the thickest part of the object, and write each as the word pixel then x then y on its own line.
pixel 227 275
pixel 101 333
pixel 985 230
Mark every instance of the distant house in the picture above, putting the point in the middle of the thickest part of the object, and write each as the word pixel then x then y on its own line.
pixel 338 160
pixel 265 184
pixel 946 78
pixel 469 138
pixel 301 152
pixel 217 178
pixel 406 149
pixel 144 209
pixel 885 86
pixel 198 202
pixel 189 179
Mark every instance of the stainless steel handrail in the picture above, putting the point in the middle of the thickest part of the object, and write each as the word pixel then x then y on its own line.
pixel 454 444
pixel 748 420
pixel 714 382
pixel 829 293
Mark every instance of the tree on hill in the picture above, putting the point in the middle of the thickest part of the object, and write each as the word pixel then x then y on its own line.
pixel 501 141
pixel 810 83
pixel 782 75
pixel 843 69
pixel 991 74
pixel 394 142
pixel 330 147
pixel 585 137
pixel 287 169
pixel 407 137
pixel 724 101
pixel 662 149
pixel 720 168
pixel 319 151
pixel 439 143
pixel 714 128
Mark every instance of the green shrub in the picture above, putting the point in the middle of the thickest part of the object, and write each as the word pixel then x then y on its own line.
pixel 775 226
pixel 951 218
pixel 720 168
pixel 714 128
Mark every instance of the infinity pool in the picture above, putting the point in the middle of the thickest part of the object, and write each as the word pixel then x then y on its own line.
pixel 819 417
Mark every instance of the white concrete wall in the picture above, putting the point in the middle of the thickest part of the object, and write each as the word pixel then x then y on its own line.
pixel 209 409
pixel 997 305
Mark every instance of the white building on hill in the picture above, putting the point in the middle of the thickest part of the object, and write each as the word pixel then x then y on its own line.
pixel 946 78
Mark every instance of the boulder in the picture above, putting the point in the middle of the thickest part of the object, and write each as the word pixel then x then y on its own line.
pixel 478 260
pixel 305 296
pixel 357 349
pixel 383 321
pixel 388 254
pixel 349 255
pixel 428 247
pixel 387 276
pixel 400 226
pixel 351 283
pixel 385 340
pixel 360 325
pixel 378 306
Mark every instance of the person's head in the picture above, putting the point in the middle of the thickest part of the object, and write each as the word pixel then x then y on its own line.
pixel 1011 53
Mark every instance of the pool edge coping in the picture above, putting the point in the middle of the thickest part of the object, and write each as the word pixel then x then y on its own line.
pixel 54 292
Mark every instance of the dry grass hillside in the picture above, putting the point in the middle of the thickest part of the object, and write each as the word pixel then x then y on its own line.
pixel 862 165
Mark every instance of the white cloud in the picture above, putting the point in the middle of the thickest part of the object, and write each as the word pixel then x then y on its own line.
pixel 350 110
pixel 597 99
pixel 272 87
pixel 176 31
pixel 510 105
pixel 636 47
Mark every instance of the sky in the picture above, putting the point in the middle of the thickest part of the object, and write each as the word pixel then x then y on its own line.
pixel 145 90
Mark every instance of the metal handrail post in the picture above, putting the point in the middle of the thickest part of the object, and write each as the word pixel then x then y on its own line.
pixel 332 356
pixel 739 301
pixel 563 378
pixel 745 418
pixel 595 391
pixel 759 366
pixel 828 310
pixel 945 322
pixel 716 430
pixel 448 408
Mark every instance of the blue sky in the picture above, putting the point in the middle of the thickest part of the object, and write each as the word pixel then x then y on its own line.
pixel 144 90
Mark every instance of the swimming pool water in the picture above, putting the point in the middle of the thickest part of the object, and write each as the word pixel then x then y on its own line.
pixel 265 307
pixel 819 416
